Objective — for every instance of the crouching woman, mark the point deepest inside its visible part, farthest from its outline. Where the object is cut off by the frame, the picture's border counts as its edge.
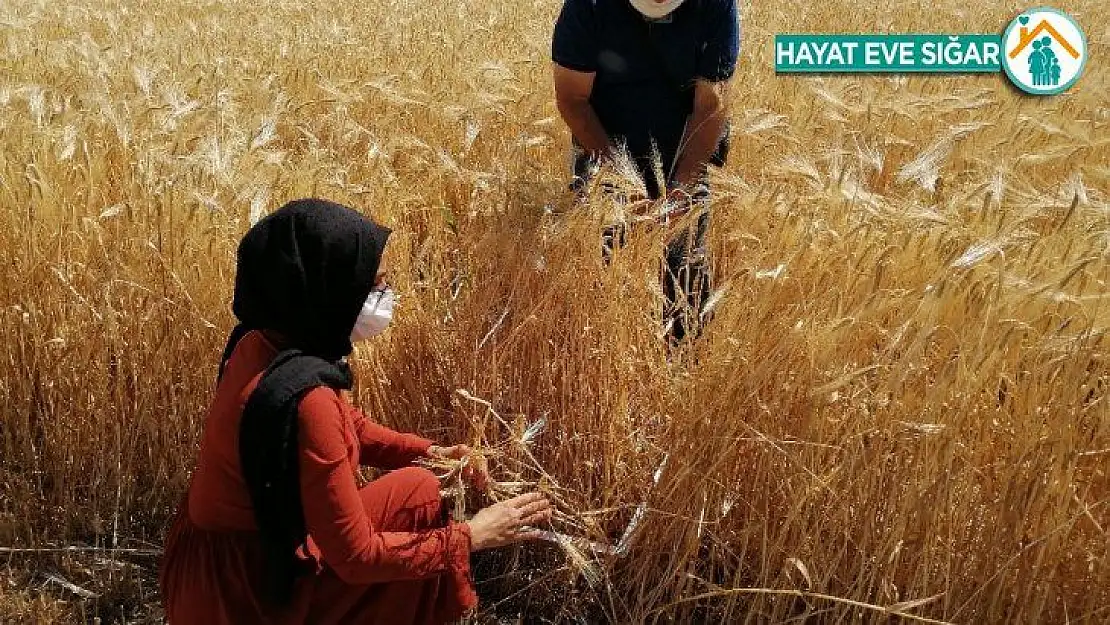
(275, 528)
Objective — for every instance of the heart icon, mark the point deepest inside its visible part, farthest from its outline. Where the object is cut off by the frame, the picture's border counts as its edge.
(1024, 19)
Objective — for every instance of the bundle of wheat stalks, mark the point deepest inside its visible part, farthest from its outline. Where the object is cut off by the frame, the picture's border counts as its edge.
(515, 471)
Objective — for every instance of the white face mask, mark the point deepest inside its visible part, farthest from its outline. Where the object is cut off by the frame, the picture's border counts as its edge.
(655, 10)
(375, 315)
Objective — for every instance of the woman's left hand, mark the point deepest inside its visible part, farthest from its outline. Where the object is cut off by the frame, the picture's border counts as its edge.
(476, 472)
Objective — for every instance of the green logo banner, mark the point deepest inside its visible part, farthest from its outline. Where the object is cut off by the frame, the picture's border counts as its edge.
(902, 53)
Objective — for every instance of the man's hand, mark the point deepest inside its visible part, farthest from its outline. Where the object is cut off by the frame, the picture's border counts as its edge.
(639, 205)
(703, 131)
(476, 471)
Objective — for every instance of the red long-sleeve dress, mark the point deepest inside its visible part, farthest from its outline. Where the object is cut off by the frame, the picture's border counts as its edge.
(381, 554)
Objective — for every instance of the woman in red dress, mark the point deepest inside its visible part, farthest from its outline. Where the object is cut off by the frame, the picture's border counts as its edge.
(274, 528)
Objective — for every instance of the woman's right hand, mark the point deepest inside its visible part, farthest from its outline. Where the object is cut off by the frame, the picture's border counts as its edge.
(502, 523)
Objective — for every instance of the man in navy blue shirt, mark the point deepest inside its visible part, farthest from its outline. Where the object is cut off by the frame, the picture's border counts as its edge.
(638, 72)
(650, 76)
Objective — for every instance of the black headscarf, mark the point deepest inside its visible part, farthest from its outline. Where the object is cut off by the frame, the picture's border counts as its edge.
(304, 272)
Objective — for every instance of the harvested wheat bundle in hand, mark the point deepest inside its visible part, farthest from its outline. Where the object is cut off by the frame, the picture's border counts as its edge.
(507, 469)
(451, 473)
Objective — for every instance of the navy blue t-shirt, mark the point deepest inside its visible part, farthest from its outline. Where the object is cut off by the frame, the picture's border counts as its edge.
(635, 101)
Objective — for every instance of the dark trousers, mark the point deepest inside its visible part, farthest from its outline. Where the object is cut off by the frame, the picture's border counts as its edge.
(685, 270)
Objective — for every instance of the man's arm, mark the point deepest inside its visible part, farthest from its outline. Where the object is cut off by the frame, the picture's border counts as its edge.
(717, 62)
(703, 131)
(572, 97)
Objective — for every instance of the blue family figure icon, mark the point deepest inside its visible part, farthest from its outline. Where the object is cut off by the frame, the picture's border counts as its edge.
(1044, 65)
(1037, 63)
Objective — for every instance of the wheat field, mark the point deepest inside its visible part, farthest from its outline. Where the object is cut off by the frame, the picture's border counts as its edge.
(897, 413)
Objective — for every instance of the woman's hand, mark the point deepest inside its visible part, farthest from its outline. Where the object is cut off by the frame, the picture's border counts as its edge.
(476, 471)
(503, 523)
